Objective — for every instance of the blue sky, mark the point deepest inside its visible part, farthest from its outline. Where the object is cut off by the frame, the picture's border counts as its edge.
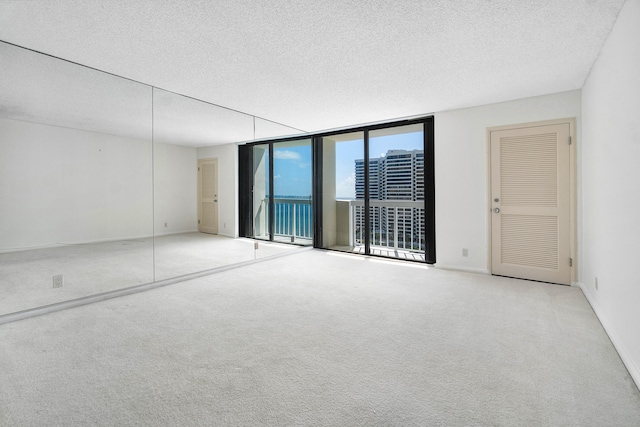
(292, 164)
(292, 170)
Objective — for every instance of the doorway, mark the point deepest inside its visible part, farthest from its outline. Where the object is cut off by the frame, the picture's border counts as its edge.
(532, 201)
(208, 196)
(388, 219)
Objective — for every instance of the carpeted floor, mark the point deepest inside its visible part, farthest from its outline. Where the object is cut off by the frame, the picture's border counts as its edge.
(26, 277)
(320, 339)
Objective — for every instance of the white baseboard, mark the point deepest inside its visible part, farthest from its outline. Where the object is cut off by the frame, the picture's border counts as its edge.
(628, 361)
(461, 268)
(227, 235)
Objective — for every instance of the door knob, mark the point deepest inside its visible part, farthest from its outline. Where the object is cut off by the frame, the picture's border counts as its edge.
(496, 210)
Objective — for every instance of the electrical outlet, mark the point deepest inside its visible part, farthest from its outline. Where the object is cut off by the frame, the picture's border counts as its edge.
(224, 225)
(57, 281)
(596, 283)
(255, 245)
(166, 224)
(465, 252)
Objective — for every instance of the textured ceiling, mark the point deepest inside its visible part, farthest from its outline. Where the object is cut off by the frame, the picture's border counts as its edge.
(317, 65)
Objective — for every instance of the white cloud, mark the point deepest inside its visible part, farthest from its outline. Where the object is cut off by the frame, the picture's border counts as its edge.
(346, 188)
(286, 155)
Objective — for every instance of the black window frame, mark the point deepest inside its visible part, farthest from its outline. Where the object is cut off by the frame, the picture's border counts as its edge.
(245, 178)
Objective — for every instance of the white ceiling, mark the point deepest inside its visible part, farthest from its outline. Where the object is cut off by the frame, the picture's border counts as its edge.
(317, 65)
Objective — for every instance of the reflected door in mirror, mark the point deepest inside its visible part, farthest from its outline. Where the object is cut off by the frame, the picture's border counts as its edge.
(208, 196)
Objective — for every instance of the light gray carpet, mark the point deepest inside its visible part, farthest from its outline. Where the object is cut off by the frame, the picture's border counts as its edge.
(26, 277)
(315, 339)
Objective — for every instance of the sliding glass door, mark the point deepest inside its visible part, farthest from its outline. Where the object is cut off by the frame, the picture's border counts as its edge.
(396, 192)
(368, 190)
(374, 204)
(292, 183)
(281, 202)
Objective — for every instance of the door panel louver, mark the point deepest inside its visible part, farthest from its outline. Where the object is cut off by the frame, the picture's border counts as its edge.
(530, 202)
(530, 240)
(529, 170)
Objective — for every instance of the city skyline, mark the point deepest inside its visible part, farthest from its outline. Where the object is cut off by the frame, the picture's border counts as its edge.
(292, 164)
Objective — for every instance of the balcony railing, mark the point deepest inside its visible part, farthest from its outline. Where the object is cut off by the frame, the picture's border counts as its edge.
(293, 218)
(394, 224)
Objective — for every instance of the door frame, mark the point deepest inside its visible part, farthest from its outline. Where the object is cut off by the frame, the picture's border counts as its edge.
(572, 187)
(199, 209)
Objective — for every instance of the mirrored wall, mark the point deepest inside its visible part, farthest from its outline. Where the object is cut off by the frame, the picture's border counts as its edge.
(107, 183)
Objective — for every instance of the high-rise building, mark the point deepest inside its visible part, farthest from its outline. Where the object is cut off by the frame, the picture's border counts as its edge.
(398, 175)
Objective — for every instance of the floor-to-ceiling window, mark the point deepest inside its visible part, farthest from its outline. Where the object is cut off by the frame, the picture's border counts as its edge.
(277, 193)
(292, 190)
(396, 192)
(368, 190)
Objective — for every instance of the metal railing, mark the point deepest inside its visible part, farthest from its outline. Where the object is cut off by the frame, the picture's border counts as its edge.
(293, 217)
(396, 224)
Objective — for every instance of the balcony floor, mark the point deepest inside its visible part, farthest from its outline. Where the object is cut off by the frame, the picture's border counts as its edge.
(302, 241)
(384, 251)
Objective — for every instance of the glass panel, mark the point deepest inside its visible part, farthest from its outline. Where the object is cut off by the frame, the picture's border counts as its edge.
(194, 201)
(261, 191)
(75, 181)
(80, 178)
(396, 165)
(292, 182)
(343, 192)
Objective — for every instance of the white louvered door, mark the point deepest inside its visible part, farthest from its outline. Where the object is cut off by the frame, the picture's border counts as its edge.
(530, 203)
(208, 196)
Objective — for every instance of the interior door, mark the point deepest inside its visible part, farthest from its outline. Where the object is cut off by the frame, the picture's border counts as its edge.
(530, 203)
(208, 196)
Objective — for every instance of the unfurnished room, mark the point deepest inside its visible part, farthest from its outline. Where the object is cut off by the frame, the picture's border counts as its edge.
(338, 213)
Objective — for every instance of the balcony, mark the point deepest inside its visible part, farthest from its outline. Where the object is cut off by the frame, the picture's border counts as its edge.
(293, 220)
(397, 229)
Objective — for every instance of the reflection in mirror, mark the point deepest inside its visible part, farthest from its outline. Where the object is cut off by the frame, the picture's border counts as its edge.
(195, 170)
(261, 193)
(292, 189)
(75, 181)
(86, 157)
(266, 129)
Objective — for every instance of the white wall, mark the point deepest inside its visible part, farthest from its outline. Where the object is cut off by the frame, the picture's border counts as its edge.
(611, 186)
(61, 186)
(175, 189)
(227, 156)
(462, 207)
